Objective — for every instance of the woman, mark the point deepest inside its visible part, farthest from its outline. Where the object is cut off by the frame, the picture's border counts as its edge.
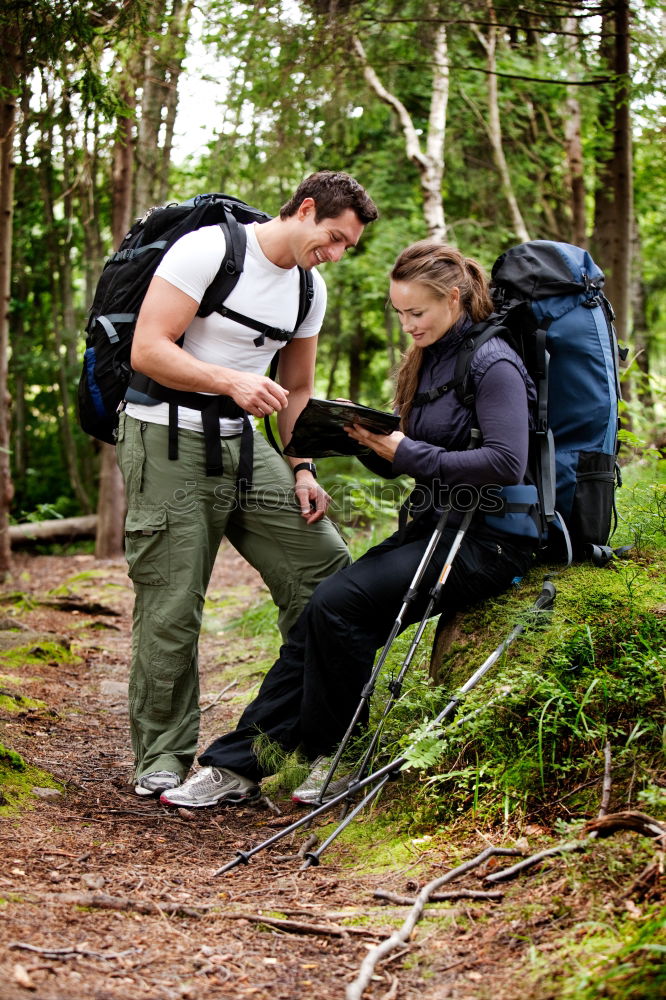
(309, 696)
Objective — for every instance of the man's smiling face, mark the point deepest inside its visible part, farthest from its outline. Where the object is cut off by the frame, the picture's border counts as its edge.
(326, 240)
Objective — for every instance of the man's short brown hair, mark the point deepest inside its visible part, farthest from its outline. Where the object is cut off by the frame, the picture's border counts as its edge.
(332, 192)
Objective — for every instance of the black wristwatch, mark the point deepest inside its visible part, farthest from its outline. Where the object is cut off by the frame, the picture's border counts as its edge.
(309, 466)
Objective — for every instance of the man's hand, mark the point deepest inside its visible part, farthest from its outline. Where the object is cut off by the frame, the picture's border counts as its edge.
(313, 500)
(384, 445)
(258, 394)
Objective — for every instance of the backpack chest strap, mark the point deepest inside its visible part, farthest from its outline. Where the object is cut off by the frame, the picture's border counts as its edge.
(272, 332)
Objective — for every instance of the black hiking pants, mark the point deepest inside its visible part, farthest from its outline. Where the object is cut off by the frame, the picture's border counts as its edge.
(310, 694)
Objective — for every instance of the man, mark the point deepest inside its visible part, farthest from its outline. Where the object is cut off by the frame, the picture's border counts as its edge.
(178, 512)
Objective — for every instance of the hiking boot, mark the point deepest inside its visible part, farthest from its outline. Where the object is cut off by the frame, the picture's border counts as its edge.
(212, 786)
(308, 794)
(156, 782)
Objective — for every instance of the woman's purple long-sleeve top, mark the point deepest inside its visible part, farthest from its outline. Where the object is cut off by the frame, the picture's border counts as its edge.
(435, 450)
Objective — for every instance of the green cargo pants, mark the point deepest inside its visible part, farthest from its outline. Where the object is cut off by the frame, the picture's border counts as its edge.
(176, 519)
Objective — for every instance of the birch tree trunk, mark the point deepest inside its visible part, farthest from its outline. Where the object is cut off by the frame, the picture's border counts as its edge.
(429, 161)
(494, 125)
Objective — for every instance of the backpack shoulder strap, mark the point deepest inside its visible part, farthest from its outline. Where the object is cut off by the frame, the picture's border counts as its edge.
(231, 267)
(479, 334)
(306, 294)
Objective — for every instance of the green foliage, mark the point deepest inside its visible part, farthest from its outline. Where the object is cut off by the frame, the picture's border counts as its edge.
(633, 965)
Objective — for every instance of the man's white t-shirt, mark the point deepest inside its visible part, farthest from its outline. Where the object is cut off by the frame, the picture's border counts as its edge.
(264, 292)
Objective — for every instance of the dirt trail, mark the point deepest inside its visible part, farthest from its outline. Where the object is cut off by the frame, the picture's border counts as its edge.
(180, 932)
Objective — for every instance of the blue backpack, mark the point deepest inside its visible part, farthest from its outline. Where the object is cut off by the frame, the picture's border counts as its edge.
(549, 305)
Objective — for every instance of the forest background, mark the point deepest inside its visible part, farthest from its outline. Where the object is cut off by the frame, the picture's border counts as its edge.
(481, 123)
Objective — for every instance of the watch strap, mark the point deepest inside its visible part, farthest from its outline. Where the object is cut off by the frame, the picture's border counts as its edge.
(308, 466)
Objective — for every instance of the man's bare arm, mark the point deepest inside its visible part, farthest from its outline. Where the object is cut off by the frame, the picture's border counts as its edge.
(165, 314)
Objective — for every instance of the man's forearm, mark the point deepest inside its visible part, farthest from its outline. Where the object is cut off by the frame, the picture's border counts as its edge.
(286, 419)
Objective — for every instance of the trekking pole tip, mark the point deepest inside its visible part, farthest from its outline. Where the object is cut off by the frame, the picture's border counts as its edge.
(242, 858)
(311, 861)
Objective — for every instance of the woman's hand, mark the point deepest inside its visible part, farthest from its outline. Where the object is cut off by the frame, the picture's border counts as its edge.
(384, 445)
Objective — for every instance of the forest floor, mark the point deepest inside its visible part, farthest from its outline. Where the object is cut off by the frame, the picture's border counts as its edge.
(115, 894)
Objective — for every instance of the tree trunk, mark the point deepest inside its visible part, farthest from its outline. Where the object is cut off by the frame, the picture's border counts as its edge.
(9, 78)
(111, 504)
(494, 125)
(61, 307)
(430, 163)
(163, 56)
(574, 150)
(111, 507)
(614, 196)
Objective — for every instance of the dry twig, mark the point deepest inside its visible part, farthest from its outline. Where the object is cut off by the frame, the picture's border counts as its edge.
(218, 697)
(440, 897)
(298, 927)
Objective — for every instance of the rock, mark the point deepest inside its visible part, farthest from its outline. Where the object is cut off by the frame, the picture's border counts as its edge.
(92, 881)
(115, 688)
(47, 793)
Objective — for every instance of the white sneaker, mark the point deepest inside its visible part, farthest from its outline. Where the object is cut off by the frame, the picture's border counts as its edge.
(212, 786)
(156, 782)
(309, 792)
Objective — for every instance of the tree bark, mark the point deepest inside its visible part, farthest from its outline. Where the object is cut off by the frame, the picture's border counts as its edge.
(614, 195)
(51, 531)
(10, 66)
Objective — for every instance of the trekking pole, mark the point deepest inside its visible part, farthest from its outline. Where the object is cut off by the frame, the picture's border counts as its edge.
(369, 687)
(395, 686)
(312, 857)
(543, 602)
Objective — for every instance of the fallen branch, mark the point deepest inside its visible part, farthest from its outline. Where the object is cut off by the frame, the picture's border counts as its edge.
(508, 873)
(604, 826)
(62, 527)
(440, 897)
(65, 953)
(400, 937)
(639, 822)
(298, 927)
(102, 901)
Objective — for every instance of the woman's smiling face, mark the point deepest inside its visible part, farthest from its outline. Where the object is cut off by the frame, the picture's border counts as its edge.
(424, 316)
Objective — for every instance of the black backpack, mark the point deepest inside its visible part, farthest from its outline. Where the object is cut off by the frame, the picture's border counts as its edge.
(106, 373)
(550, 307)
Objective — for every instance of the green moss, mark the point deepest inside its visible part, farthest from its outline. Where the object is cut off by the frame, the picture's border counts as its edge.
(33, 654)
(19, 703)
(17, 779)
(10, 759)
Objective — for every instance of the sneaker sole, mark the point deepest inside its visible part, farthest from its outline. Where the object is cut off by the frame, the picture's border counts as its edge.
(140, 790)
(236, 799)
